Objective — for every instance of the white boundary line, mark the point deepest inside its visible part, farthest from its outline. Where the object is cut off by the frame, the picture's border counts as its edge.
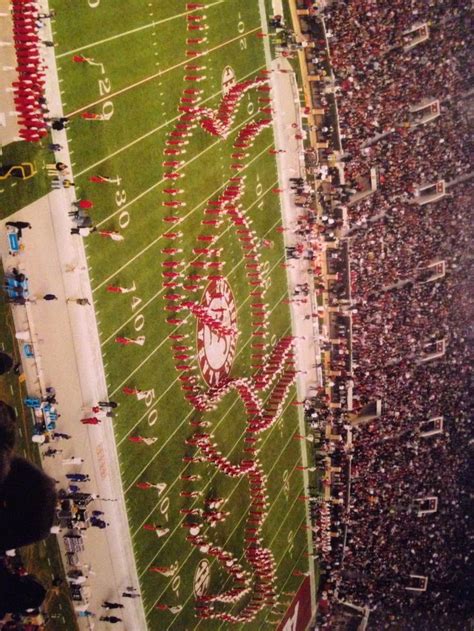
(162, 290)
(149, 133)
(134, 30)
(155, 75)
(155, 241)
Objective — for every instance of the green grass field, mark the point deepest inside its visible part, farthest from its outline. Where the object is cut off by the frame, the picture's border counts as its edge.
(142, 49)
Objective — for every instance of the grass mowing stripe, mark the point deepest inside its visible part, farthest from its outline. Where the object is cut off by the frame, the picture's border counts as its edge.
(155, 241)
(134, 30)
(163, 180)
(173, 331)
(240, 520)
(180, 425)
(282, 559)
(290, 575)
(109, 97)
(153, 131)
(160, 291)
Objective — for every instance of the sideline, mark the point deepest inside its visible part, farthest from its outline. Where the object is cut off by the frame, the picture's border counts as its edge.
(66, 334)
(286, 102)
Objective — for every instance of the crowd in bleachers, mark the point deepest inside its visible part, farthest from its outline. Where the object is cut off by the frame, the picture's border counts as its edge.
(401, 302)
(373, 70)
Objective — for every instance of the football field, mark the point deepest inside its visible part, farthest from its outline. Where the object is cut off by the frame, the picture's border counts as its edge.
(179, 163)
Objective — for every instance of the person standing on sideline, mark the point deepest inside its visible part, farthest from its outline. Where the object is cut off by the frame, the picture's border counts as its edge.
(50, 297)
(20, 226)
(108, 605)
(79, 301)
(91, 420)
(84, 232)
(107, 404)
(78, 477)
(85, 613)
(59, 435)
(111, 619)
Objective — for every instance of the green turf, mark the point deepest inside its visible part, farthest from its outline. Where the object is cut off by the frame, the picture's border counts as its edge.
(143, 86)
(16, 193)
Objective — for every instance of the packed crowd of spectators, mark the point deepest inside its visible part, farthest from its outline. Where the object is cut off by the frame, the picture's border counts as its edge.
(401, 301)
(405, 239)
(373, 69)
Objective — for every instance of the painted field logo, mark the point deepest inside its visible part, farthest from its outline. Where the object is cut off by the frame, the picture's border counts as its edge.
(216, 350)
(202, 578)
(228, 79)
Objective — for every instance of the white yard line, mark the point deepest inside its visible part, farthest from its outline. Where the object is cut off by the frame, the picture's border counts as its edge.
(163, 289)
(133, 30)
(155, 241)
(152, 131)
(183, 422)
(163, 445)
(238, 524)
(111, 96)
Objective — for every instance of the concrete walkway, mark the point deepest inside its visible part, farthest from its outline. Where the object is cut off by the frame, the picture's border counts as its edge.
(68, 357)
(287, 127)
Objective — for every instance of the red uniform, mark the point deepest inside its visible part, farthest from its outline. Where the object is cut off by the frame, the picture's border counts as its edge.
(92, 420)
(135, 439)
(143, 485)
